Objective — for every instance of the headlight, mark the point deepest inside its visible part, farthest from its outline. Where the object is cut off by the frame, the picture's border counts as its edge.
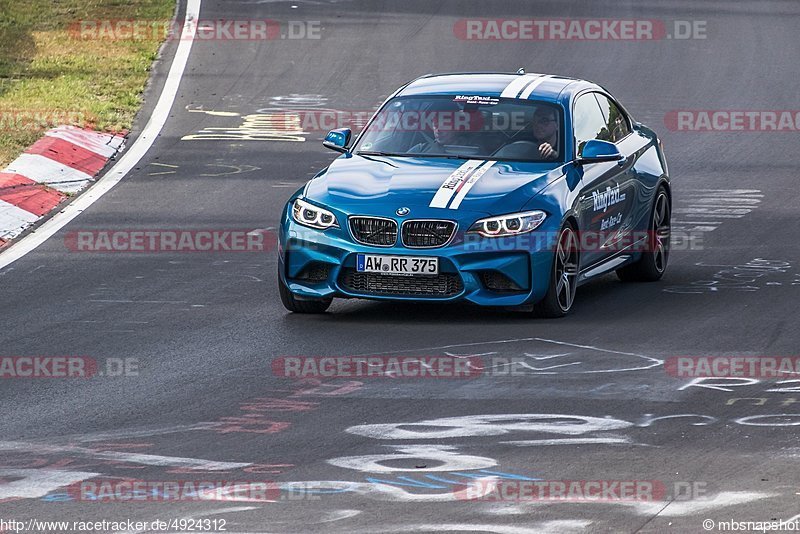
(509, 225)
(313, 216)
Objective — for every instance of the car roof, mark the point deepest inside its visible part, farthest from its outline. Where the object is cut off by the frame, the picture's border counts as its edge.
(497, 84)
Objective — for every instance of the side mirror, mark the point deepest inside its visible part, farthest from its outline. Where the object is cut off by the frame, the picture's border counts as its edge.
(338, 139)
(597, 151)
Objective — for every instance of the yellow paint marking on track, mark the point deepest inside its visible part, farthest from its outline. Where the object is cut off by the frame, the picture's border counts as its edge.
(256, 127)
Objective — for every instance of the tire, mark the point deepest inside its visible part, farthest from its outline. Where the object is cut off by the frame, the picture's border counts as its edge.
(653, 263)
(560, 295)
(295, 305)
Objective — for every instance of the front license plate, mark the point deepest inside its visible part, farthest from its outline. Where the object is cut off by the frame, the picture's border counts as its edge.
(405, 265)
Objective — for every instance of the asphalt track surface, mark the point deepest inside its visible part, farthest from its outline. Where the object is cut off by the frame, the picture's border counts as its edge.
(205, 327)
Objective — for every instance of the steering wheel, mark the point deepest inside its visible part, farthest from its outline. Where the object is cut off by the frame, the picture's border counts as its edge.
(518, 149)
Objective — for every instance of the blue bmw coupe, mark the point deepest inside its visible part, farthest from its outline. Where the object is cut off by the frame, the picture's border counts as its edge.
(494, 188)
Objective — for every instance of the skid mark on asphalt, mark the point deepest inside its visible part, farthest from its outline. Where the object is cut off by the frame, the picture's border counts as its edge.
(254, 419)
(132, 433)
(743, 278)
(257, 414)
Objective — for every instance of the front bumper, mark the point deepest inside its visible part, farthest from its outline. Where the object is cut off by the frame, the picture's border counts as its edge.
(317, 264)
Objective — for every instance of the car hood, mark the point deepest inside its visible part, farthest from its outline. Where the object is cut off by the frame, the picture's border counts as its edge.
(380, 185)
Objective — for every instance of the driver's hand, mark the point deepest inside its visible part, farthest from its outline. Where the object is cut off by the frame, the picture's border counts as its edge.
(546, 151)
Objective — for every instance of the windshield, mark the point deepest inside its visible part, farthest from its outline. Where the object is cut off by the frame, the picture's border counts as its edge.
(465, 126)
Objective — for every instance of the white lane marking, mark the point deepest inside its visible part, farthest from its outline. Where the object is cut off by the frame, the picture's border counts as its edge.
(650, 362)
(129, 457)
(513, 89)
(337, 515)
(696, 506)
(131, 434)
(48, 171)
(464, 356)
(706, 209)
(448, 187)
(559, 526)
(568, 441)
(480, 171)
(214, 113)
(443, 455)
(533, 85)
(13, 220)
(546, 357)
(35, 483)
(532, 368)
(489, 425)
(131, 156)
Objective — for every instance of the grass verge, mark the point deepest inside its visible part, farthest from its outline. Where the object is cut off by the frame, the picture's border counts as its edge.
(58, 66)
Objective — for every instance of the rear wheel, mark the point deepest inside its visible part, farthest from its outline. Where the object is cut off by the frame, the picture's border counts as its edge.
(563, 278)
(651, 266)
(293, 304)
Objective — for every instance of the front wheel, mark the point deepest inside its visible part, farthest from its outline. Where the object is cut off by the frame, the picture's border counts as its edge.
(563, 277)
(293, 304)
(651, 266)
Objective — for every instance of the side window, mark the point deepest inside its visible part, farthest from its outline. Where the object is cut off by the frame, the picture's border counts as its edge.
(588, 120)
(616, 122)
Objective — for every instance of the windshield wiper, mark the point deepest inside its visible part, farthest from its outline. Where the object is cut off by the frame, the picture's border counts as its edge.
(461, 156)
(390, 154)
(447, 156)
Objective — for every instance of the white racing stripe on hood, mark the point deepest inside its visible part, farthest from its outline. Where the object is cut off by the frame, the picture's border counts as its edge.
(451, 183)
(480, 171)
(528, 90)
(513, 89)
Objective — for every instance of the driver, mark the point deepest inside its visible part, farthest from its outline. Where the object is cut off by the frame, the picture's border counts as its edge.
(447, 121)
(545, 132)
